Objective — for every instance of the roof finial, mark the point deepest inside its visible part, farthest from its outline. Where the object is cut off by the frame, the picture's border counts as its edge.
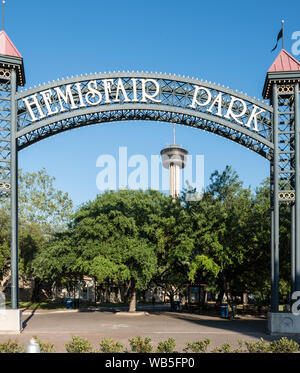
(3, 4)
(282, 28)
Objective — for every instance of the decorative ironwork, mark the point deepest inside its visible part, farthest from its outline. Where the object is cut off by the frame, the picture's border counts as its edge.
(5, 136)
(286, 196)
(285, 88)
(5, 74)
(4, 186)
(174, 102)
(286, 142)
(270, 131)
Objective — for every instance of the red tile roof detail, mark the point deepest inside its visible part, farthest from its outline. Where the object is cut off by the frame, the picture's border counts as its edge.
(7, 47)
(284, 62)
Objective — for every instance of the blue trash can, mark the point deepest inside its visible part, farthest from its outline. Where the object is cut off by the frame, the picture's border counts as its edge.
(69, 303)
(224, 310)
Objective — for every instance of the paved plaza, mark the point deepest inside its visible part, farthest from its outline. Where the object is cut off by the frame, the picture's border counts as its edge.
(58, 326)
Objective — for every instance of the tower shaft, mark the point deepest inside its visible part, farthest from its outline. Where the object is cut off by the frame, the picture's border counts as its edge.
(175, 182)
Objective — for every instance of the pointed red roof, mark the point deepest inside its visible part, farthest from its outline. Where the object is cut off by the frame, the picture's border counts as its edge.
(7, 47)
(284, 62)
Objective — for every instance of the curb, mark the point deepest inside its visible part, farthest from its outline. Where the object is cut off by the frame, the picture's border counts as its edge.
(47, 312)
(136, 313)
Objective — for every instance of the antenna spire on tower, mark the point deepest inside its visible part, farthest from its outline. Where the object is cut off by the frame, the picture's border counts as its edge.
(174, 133)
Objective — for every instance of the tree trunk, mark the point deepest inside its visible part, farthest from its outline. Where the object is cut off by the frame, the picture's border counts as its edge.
(144, 296)
(119, 295)
(171, 297)
(101, 293)
(4, 282)
(132, 304)
(107, 293)
(35, 297)
(132, 300)
(95, 290)
(127, 292)
(222, 289)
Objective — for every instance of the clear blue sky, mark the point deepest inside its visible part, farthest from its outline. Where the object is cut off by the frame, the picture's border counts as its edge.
(224, 42)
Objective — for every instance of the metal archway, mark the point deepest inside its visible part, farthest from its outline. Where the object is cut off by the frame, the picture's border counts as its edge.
(271, 131)
(62, 105)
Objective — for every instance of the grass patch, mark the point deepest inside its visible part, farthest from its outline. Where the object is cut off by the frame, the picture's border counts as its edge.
(41, 305)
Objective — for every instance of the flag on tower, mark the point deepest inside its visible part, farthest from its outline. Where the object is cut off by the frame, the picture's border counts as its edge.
(279, 36)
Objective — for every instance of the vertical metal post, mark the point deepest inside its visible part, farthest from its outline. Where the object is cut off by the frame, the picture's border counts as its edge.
(14, 198)
(292, 245)
(297, 189)
(272, 260)
(275, 222)
(272, 230)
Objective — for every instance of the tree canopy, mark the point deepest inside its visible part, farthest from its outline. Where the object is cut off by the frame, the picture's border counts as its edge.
(43, 210)
(136, 239)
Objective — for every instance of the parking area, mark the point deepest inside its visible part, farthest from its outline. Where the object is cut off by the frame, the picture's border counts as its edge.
(58, 327)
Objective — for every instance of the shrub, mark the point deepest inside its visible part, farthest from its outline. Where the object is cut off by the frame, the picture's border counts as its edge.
(239, 349)
(11, 347)
(167, 346)
(284, 345)
(225, 348)
(44, 346)
(261, 346)
(109, 346)
(139, 345)
(198, 346)
(78, 345)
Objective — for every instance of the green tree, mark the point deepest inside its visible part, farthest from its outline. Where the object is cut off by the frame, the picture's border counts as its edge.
(174, 241)
(4, 247)
(43, 210)
(111, 239)
(40, 202)
(56, 262)
(223, 226)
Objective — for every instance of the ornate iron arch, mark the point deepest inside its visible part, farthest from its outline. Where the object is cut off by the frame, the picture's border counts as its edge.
(271, 131)
(74, 102)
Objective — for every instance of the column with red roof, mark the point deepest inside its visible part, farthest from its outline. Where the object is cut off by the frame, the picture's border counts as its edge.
(11, 76)
(282, 89)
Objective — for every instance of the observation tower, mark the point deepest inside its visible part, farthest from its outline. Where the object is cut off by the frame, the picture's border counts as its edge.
(174, 158)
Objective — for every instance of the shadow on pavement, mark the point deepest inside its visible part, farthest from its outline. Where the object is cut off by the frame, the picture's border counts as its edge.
(146, 308)
(102, 309)
(25, 322)
(253, 327)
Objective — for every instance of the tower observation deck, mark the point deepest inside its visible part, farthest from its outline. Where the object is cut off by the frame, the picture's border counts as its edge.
(174, 157)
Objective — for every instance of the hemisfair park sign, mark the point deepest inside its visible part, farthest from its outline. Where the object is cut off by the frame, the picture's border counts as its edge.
(271, 130)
